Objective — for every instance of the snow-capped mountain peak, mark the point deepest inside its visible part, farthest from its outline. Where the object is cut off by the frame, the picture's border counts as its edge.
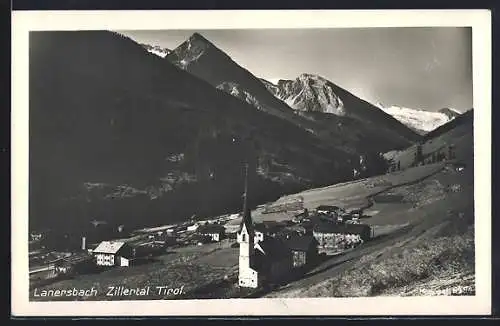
(419, 120)
(155, 49)
(308, 92)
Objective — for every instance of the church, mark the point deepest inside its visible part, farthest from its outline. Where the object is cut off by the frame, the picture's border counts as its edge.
(261, 259)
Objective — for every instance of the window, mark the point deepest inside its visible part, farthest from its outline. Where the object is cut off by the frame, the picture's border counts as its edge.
(243, 237)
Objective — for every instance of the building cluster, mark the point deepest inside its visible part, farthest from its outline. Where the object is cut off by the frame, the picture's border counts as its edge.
(271, 254)
(155, 240)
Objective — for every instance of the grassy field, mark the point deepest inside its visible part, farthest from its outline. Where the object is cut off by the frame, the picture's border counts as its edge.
(349, 195)
(425, 244)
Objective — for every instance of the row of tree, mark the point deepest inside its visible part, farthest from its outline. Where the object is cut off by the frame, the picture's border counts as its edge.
(434, 157)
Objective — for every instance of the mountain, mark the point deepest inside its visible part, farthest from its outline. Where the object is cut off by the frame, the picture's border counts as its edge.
(420, 120)
(451, 113)
(458, 132)
(465, 119)
(203, 59)
(308, 93)
(122, 136)
(312, 93)
(155, 49)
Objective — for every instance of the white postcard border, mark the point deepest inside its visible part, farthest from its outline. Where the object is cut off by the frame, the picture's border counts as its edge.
(25, 21)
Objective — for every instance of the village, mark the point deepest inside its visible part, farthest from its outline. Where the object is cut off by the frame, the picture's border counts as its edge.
(289, 235)
(259, 248)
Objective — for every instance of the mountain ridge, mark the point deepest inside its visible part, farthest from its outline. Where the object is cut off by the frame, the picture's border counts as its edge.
(206, 61)
(302, 94)
(422, 121)
(156, 49)
(145, 142)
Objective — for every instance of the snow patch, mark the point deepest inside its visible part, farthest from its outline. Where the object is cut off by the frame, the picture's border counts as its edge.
(417, 119)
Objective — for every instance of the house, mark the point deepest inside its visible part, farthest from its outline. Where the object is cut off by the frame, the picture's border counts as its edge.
(304, 249)
(300, 216)
(193, 227)
(356, 213)
(79, 263)
(340, 236)
(215, 232)
(113, 253)
(260, 230)
(329, 210)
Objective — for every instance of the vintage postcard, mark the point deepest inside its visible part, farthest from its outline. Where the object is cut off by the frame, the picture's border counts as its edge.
(251, 163)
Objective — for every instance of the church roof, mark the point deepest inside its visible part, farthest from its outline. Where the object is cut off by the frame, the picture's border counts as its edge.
(299, 243)
(272, 247)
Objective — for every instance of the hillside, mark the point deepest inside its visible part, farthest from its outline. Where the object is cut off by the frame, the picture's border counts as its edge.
(457, 133)
(121, 135)
(203, 59)
(465, 120)
(424, 239)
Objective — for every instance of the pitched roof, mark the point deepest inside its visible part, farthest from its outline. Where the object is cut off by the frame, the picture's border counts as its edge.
(109, 247)
(301, 243)
(260, 227)
(272, 247)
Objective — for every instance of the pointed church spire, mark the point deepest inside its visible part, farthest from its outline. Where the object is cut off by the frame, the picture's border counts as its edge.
(247, 218)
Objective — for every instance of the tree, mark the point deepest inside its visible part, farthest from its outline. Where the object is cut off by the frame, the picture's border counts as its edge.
(373, 163)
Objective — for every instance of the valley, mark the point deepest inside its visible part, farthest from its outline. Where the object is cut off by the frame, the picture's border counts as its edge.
(146, 142)
(145, 146)
(399, 227)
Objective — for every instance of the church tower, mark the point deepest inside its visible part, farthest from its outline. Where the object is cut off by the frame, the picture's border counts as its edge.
(248, 277)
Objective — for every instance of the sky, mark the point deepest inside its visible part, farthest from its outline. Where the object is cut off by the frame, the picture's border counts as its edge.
(425, 68)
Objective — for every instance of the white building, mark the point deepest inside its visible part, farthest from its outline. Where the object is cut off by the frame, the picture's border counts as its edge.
(260, 260)
(215, 232)
(247, 277)
(193, 227)
(112, 253)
